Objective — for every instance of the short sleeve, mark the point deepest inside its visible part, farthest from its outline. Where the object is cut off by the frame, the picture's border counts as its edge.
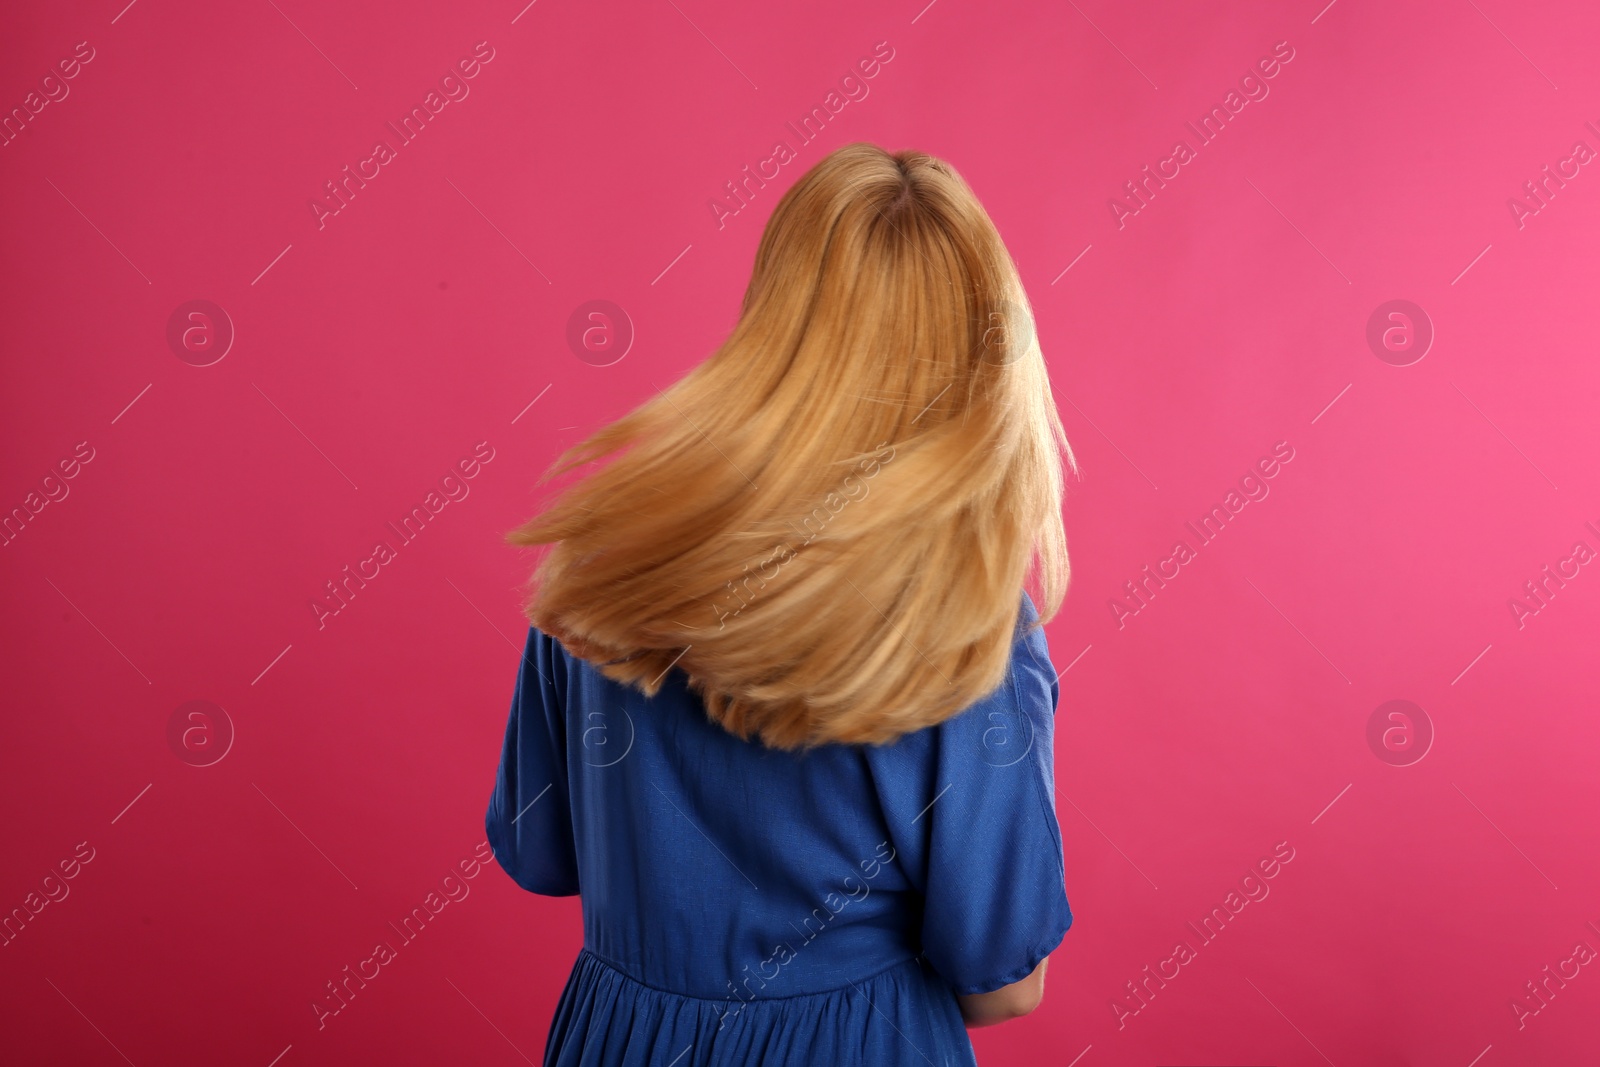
(982, 837)
(529, 822)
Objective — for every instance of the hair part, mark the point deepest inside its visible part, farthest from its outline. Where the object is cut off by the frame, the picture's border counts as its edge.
(827, 524)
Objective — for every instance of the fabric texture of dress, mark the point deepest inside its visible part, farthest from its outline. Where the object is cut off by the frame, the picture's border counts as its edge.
(745, 905)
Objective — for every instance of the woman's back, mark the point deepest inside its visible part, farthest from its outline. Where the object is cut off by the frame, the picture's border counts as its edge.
(747, 904)
(782, 719)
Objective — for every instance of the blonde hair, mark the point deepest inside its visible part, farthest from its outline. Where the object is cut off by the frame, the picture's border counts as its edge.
(828, 524)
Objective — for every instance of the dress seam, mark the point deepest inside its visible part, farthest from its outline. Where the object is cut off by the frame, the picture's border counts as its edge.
(849, 985)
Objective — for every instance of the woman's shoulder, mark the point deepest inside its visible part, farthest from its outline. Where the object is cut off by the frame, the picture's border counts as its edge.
(1010, 714)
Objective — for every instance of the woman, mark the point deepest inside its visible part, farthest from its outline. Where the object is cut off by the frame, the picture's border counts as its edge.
(785, 714)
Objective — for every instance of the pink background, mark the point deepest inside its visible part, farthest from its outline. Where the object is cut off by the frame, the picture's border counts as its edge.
(1229, 314)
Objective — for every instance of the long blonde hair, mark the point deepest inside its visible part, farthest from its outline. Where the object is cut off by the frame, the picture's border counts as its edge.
(828, 524)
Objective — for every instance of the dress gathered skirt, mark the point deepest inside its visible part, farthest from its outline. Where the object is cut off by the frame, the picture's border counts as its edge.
(744, 905)
(903, 1015)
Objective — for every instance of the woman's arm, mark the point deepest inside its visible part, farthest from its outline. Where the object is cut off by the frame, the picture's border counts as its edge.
(1006, 1003)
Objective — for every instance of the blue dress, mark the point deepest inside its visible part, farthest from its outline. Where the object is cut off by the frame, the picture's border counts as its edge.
(743, 905)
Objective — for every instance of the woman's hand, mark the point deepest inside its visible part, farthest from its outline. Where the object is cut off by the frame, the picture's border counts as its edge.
(1006, 1003)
